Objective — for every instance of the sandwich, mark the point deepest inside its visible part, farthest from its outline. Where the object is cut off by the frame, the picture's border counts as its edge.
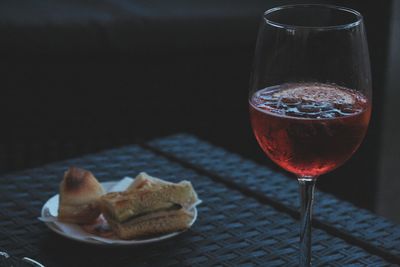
(79, 195)
(149, 206)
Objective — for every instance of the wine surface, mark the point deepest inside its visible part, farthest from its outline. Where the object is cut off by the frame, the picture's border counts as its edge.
(309, 128)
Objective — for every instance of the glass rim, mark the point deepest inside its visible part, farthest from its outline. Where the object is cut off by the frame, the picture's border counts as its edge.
(357, 21)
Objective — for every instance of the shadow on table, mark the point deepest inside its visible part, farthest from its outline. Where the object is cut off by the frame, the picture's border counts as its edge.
(72, 253)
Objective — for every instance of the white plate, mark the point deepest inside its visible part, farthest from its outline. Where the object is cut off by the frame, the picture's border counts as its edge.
(75, 232)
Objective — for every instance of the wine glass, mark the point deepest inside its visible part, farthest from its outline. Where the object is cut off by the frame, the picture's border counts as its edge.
(310, 94)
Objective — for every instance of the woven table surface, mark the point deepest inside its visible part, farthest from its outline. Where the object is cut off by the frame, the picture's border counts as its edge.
(241, 222)
(359, 225)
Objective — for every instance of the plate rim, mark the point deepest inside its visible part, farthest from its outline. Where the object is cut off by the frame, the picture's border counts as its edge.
(115, 242)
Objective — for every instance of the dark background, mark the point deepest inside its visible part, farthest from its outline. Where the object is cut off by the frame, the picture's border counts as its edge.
(82, 76)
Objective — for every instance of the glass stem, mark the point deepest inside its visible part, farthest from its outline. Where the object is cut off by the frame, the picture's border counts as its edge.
(307, 185)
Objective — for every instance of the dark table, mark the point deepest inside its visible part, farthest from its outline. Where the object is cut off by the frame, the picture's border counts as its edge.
(248, 216)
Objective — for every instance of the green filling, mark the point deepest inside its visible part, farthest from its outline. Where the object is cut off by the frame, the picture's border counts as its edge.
(171, 208)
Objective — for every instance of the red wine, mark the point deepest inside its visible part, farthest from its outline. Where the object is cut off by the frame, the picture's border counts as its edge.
(309, 128)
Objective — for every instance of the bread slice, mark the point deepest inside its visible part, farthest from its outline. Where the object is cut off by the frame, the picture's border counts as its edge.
(145, 181)
(149, 206)
(122, 205)
(79, 195)
(152, 224)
